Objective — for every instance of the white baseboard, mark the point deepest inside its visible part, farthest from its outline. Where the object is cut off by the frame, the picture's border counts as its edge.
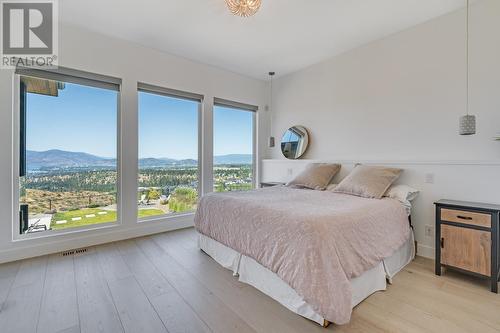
(31, 249)
(425, 251)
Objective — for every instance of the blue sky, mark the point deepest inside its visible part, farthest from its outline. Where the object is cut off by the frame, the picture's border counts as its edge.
(232, 131)
(168, 127)
(80, 119)
(84, 119)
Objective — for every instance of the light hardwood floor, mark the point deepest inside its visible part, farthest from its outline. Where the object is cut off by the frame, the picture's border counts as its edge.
(163, 283)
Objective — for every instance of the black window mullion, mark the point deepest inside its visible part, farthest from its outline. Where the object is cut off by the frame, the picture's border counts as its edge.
(22, 130)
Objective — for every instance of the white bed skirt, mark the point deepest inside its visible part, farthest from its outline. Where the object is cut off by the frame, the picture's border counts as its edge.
(268, 282)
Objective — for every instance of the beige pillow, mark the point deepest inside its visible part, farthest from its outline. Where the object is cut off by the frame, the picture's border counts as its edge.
(316, 176)
(368, 181)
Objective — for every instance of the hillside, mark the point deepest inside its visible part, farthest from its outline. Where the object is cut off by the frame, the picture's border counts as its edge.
(233, 159)
(66, 159)
(60, 158)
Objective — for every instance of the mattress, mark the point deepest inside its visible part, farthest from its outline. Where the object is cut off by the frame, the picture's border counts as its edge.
(251, 272)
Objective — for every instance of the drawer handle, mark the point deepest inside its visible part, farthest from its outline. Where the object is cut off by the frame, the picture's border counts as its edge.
(442, 242)
(464, 217)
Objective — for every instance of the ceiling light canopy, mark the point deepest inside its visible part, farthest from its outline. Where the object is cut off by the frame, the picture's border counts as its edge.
(243, 8)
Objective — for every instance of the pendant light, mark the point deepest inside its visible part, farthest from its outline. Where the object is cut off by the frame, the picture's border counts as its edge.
(467, 122)
(243, 8)
(271, 137)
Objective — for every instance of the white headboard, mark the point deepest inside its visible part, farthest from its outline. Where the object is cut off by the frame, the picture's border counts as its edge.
(477, 181)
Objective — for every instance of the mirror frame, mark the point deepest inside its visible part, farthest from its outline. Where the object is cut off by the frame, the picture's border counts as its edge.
(305, 142)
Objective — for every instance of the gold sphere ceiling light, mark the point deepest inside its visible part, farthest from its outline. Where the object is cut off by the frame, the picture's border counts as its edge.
(243, 8)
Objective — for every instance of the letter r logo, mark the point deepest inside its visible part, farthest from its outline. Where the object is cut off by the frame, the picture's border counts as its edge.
(27, 27)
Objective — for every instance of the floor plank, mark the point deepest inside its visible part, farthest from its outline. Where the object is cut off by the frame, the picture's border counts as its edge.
(112, 264)
(209, 307)
(175, 313)
(96, 308)
(20, 311)
(8, 274)
(59, 309)
(135, 311)
(165, 283)
(426, 295)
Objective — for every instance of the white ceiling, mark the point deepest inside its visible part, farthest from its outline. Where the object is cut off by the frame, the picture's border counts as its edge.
(284, 36)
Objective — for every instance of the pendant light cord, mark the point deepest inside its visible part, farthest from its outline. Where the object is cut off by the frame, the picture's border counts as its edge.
(271, 108)
(271, 74)
(467, 56)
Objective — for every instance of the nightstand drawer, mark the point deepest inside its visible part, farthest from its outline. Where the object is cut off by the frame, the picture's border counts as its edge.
(465, 217)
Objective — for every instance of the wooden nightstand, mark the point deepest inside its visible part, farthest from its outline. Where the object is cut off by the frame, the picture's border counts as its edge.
(270, 184)
(467, 238)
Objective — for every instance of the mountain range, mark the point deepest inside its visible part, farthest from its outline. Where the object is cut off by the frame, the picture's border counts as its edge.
(55, 158)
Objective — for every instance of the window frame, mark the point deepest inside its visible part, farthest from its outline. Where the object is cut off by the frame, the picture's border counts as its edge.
(183, 95)
(76, 77)
(225, 103)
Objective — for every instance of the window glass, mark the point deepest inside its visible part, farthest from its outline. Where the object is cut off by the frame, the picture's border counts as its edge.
(233, 149)
(68, 155)
(168, 155)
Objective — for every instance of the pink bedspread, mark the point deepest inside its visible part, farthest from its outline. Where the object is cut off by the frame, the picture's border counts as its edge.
(316, 241)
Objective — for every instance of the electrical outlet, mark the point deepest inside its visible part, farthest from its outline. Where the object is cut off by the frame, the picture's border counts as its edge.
(429, 178)
(429, 230)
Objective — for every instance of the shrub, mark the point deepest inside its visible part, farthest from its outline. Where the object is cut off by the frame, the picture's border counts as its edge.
(154, 194)
(183, 199)
(93, 205)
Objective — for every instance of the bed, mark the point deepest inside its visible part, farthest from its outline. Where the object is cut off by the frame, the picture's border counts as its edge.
(318, 253)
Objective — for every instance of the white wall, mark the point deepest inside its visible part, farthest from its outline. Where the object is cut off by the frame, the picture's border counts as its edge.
(398, 101)
(401, 97)
(96, 53)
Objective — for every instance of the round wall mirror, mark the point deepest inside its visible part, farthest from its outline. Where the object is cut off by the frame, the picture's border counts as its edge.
(294, 142)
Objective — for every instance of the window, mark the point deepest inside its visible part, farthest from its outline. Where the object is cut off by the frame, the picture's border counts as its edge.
(168, 151)
(67, 149)
(234, 143)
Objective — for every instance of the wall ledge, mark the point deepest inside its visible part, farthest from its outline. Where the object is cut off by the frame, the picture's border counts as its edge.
(391, 162)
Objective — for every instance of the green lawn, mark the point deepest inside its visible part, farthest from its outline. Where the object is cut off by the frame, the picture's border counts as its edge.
(110, 216)
(149, 212)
